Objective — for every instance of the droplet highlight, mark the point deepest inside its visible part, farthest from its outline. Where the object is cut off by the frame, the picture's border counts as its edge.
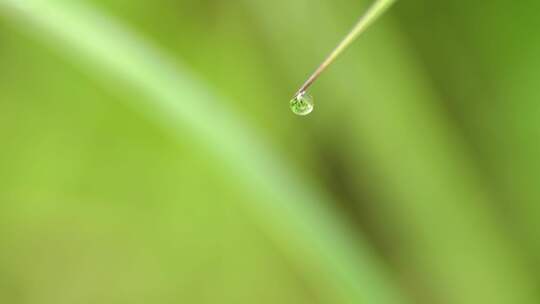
(302, 104)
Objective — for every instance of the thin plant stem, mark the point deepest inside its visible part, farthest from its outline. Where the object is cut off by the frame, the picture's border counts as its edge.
(374, 12)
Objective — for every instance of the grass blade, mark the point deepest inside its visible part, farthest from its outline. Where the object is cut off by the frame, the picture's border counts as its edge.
(372, 14)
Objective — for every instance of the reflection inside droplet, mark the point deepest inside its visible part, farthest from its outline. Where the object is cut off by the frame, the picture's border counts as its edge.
(302, 104)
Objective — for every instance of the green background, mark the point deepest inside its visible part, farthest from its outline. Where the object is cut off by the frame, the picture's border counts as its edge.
(148, 153)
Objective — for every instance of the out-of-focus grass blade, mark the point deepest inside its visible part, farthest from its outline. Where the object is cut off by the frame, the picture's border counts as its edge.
(490, 68)
(292, 213)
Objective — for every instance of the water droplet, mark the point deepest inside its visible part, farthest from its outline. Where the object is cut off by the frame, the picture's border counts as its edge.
(302, 104)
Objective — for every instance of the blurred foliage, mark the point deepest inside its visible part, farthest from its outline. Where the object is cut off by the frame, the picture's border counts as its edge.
(158, 162)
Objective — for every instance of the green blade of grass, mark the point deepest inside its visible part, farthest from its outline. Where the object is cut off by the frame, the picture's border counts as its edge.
(295, 215)
(374, 12)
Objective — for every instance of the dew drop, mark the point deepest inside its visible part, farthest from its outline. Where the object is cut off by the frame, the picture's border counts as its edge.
(302, 104)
